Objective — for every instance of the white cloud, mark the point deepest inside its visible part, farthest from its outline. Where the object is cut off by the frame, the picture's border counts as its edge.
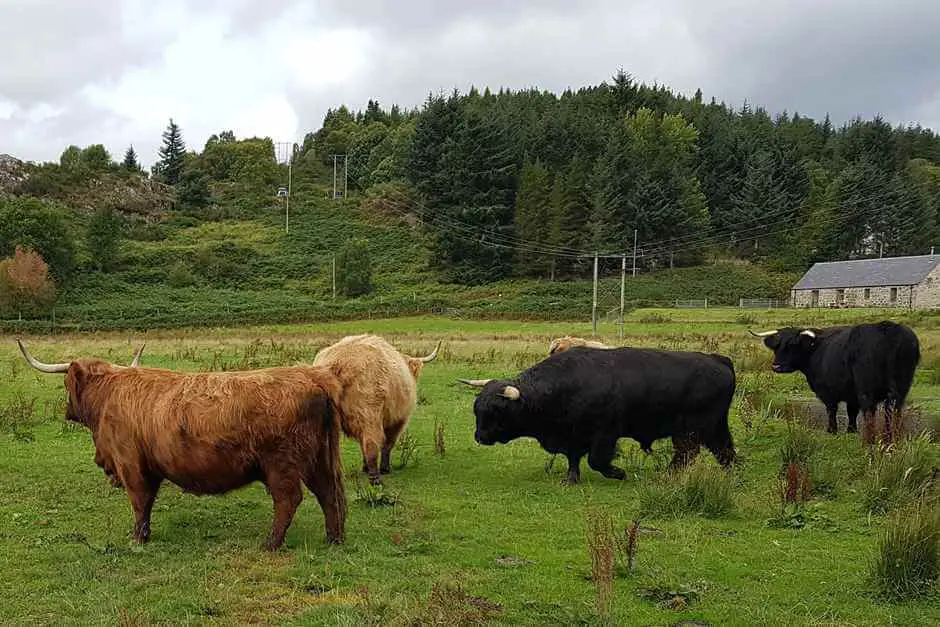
(115, 71)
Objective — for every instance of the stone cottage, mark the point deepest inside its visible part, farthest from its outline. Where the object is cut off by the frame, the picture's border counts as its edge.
(909, 282)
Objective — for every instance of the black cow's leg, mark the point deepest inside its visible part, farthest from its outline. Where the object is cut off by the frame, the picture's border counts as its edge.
(887, 434)
(601, 454)
(831, 410)
(721, 444)
(868, 425)
(851, 408)
(685, 447)
(574, 469)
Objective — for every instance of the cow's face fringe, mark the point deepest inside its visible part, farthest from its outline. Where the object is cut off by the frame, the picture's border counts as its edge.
(792, 349)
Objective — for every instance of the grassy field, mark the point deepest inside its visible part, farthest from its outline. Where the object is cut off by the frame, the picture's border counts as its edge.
(460, 535)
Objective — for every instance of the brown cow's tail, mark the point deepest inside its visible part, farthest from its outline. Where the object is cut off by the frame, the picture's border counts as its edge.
(328, 465)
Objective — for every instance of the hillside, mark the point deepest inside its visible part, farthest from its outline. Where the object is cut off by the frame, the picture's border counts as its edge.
(236, 265)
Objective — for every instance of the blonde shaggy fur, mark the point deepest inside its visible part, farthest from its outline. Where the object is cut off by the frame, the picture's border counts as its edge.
(379, 394)
(561, 344)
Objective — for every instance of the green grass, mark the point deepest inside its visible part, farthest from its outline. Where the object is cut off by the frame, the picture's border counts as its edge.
(480, 533)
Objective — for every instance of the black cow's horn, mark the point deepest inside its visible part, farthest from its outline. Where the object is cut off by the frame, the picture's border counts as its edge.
(511, 392)
(38, 365)
(809, 333)
(477, 383)
(762, 333)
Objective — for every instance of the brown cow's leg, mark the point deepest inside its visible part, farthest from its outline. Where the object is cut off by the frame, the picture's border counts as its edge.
(142, 492)
(287, 495)
(331, 495)
(391, 437)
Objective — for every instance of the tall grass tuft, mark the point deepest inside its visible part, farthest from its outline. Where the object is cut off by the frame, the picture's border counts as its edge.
(439, 444)
(900, 473)
(907, 563)
(702, 489)
(601, 544)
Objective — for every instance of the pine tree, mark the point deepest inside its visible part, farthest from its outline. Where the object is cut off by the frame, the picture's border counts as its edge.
(103, 237)
(130, 163)
(172, 154)
(535, 224)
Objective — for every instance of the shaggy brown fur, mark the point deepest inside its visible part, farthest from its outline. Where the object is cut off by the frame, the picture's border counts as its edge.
(210, 433)
(562, 344)
(379, 394)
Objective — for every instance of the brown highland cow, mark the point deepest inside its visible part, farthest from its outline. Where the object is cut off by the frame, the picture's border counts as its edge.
(210, 433)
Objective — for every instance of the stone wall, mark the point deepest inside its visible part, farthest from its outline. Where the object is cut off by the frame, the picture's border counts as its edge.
(927, 294)
(867, 297)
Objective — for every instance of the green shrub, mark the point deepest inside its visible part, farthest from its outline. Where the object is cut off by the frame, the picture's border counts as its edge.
(701, 488)
(900, 474)
(907, 563)
(180, 276)
(354, 268)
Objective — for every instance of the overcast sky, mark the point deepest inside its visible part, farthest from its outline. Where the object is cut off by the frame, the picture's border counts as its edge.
(114, 71)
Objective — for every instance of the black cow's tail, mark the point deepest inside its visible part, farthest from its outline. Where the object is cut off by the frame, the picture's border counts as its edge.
(901, 359)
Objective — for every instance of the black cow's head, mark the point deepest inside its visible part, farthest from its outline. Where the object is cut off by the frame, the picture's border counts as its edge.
(497, 408)
(792, 347)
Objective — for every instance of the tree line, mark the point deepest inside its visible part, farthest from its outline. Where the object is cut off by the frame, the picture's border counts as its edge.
(529, 182)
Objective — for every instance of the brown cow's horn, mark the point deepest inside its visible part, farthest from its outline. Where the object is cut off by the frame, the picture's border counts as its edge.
(433, 353)
(136, 361)
(38, 365)
(477, 383)
(511, 392)
(808, 333)
(762, 333)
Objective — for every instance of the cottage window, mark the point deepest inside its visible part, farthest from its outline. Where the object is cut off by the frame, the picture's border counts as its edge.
(814, 298)
(894, 295)
(867, 293)
(840, 296)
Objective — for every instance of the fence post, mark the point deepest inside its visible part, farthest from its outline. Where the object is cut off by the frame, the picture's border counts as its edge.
(594, 306)
(706, 303)
(623, 280)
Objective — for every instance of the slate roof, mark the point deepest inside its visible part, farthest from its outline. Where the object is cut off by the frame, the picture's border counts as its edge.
(888, 271)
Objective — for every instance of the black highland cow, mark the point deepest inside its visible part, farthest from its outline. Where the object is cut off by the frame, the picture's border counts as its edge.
(580, 401)
(861, 365)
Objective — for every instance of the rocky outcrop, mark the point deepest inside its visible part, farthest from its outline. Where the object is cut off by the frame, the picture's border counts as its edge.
(13, 173)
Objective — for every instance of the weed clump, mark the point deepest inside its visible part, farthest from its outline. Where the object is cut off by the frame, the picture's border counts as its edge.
(407, 447)
(900, 473)
(907, 563)
(17, 417)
